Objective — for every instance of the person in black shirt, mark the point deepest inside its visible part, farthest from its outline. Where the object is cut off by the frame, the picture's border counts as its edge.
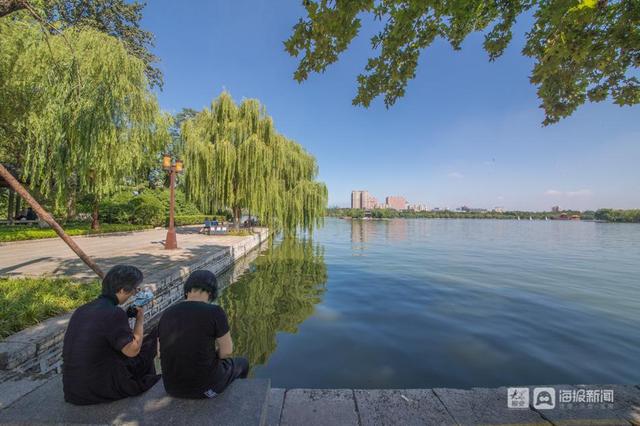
(189, 332)
(103, 360)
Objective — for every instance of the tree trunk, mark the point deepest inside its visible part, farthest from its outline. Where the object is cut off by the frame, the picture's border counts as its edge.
(10, 6)
(12, 199)
(44, 215)
(237, 214)
(95, 217)
(18, 205)
(71, 206)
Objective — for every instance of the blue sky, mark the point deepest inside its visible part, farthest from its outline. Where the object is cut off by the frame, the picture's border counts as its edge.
(467, 133)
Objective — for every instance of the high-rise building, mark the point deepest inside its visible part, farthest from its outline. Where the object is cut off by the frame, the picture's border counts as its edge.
(356, 199)
(362, 200)
(555, 209)
(396, 202)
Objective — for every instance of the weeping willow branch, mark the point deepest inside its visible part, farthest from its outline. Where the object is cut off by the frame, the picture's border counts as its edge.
(237, 160)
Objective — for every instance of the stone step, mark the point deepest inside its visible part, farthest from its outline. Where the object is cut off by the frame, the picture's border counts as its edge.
(244, 403)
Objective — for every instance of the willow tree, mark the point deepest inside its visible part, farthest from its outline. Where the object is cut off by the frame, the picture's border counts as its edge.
(236, 159)
(87, 118)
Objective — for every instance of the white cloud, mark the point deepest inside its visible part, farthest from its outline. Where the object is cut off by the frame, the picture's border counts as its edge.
(580, 193)
(571, 194)
(456, 175)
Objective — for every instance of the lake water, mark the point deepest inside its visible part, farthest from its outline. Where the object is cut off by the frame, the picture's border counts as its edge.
(443, 303)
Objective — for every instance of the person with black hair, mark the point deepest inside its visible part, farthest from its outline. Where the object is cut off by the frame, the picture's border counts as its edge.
(189, 333)
(103, 359)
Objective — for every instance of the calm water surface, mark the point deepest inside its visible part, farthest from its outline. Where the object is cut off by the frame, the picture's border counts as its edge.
(443, 303)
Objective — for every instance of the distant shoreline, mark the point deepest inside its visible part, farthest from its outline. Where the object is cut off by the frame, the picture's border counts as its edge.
(598, 216)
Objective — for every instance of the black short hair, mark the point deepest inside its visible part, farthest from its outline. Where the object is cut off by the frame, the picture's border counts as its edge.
(202, 280)
(121, 277)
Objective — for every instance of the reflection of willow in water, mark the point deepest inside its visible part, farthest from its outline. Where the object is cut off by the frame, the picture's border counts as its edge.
(277, 295)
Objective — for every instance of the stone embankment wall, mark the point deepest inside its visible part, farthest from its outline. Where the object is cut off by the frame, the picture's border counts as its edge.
(38, 349)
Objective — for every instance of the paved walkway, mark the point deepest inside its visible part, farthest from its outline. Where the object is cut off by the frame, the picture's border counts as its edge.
(143, 249)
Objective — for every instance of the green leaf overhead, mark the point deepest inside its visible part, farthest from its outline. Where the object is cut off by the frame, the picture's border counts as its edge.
(584, 50)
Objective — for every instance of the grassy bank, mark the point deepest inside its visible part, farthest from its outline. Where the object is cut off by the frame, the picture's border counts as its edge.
(21, 232)
(27, 301)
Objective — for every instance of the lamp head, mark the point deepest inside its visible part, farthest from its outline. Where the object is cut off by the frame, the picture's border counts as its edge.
(179, 166)
(166, 161)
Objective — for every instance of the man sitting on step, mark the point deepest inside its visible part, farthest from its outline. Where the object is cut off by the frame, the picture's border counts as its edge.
(189, 332)
(103, 359)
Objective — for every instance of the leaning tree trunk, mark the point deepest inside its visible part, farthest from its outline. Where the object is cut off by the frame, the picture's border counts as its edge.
(44, 215)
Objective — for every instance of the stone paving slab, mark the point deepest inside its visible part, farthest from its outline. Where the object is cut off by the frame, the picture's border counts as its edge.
(401, 407)
(319, 407)
(144, 249)
(15, 388)
(242, 404)
(274, 409)
(624, 411)
(480, 406)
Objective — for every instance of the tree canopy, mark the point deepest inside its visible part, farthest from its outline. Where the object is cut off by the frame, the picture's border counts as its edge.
(118, 18)
(81, 116)
(236, 159)
(584, 50)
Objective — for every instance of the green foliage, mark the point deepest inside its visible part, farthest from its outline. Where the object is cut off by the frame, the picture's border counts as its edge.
(22, 232)
(276, 296)
(118, 18)
(235, 159)
(612, 215)
(148, 210)
(27, 301)
(83, 118)
(609, 215)
(151, 207)
(583, 50)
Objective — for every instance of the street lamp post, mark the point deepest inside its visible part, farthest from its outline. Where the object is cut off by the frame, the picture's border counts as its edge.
(171, 242)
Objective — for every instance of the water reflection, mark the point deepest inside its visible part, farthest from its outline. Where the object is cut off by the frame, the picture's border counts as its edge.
(276, 295)
(365, 231)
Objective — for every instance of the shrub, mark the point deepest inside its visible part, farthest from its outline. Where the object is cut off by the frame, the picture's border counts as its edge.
(147, 210)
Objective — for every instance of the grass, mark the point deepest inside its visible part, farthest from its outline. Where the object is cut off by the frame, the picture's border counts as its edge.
(27, 301)
(25, 232)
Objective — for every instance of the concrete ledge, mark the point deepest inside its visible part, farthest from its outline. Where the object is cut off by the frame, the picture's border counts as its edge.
(405, 407)
(315, 407)
(244, 403)
(32, 342)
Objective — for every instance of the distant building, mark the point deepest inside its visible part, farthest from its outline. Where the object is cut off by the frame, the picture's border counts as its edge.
(362, 200)
(417, 207)
(555, 209)
(396, 202)
(498, 209)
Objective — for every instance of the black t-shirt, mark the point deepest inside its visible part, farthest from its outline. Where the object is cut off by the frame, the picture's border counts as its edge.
(190, 363)
(94, 367)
